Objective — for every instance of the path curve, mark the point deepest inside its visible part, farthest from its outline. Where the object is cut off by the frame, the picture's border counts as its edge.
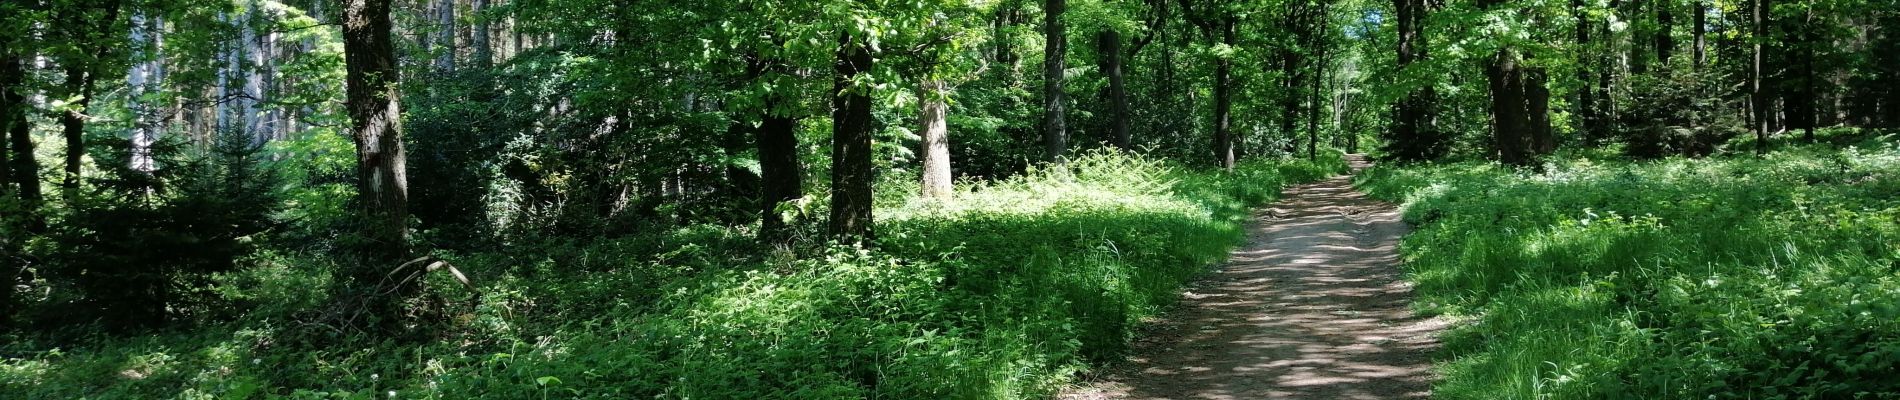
(1314, 306)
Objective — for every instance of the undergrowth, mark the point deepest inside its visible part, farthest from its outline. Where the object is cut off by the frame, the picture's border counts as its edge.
(1733, 278)
(1004, 291)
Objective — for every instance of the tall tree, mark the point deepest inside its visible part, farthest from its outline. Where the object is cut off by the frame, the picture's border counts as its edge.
(1412, 135)
(479, 37)
(1109, 45)
(13, 101)
(933, 115)
(1587, 107)
(1700, 31)
(85, 27)
(1224, 98)
(1758, 94)
(851, 169)
(1055, 136)
(1665, 26)
(376, 126)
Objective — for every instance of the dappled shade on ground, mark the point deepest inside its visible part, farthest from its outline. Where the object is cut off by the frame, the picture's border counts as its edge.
(1313, 307)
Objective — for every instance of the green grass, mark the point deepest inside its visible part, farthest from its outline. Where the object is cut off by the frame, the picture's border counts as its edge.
(1743, 277)
(1004, 292)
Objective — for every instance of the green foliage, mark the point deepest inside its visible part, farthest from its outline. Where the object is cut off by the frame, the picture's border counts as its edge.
(137, 249)
(1002, 291)
(1732, 278)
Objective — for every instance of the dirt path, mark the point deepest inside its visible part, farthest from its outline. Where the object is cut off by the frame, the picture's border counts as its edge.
(1312, 307)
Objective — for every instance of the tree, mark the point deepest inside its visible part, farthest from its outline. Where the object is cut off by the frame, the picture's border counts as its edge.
(1055, 136)
(1758, 94)
(1413, 137)
(851, 169)
(376, 126)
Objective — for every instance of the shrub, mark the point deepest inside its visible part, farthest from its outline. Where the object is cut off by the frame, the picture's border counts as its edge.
(1732, 278)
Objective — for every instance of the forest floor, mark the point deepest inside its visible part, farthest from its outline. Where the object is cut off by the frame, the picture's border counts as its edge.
(1314, 306)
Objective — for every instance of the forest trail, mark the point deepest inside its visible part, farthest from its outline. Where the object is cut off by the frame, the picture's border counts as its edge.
(1314, 306)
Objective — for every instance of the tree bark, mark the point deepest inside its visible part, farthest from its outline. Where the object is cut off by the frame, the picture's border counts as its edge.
(1055, 136)
(445, 14)
(1508, 117)
(783, 179)
(374, 106)
(1224, 101)
(1665, 25)
(1587, 99)
(72, 122)
(1111, 53)
(12, 112)
(851, 172)
(936, 139)
(484, 54)
(1700, 31)
(1537, 109)
(1413, 137)
(1758, 96)
(26, 169)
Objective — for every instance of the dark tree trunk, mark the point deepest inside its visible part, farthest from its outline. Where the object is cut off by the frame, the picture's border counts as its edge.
(1509, 121)
(1224, 101)
(376, 126)
(25, 170)
(1537, 108)
(1758, 96)
(72, 122)
(783, 178)
(1055, 136)
(1810, 97)
(851, 173)
(1665, 25)
(1413, 138)
(1111, 52)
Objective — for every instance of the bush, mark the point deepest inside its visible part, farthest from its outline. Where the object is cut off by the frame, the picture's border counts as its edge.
(1003, 292)
(1733, 278)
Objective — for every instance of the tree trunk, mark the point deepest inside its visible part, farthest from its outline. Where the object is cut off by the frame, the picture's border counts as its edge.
(1224, 101)
(12, 112)
(1412, 136)
(26, 169)
(1811, 99)
(140, 80)
(73, 121)
(1757, 95)
(1587, 100)
(1111, 53)
(1537, 108)
(484, 54)
(1055, 136)
(1701, 34)
(851, 173)
(445, 14)
(376, 125)
(936, 141)
(1665, 25)
(1508, 117)
(783, 178)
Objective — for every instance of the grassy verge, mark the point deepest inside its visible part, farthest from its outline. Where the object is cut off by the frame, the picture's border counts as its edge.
(1747, 277)
(1002, 293)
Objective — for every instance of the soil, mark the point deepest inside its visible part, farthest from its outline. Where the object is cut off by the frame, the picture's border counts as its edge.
(1314, 306)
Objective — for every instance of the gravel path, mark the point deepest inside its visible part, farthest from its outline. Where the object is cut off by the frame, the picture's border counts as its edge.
(1314, 306)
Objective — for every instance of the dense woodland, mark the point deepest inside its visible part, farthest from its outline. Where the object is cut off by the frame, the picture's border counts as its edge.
(927, 198)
